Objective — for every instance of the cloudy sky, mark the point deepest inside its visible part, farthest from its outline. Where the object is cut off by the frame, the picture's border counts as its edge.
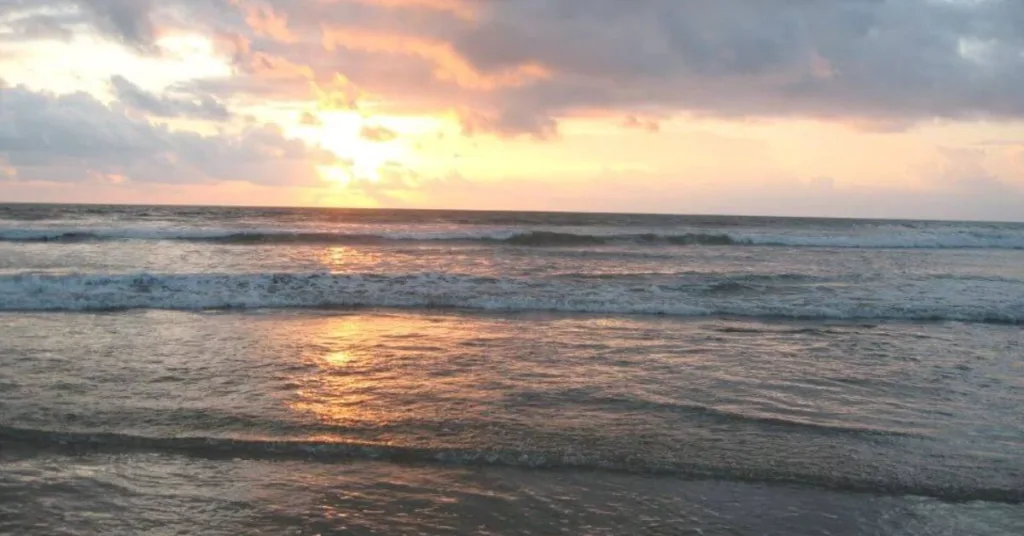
(876, 108)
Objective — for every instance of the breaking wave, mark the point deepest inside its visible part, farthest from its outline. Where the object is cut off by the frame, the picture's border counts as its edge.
(339, 451)
(741, 296)
(951, 239)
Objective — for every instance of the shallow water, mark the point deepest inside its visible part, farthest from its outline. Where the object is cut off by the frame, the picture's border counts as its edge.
(168, 494)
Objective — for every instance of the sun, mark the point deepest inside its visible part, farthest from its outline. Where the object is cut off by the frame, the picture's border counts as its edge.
(342, 133)
(338, 175)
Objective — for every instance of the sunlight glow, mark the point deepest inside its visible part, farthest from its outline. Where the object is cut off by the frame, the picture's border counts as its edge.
(338, 259)
(335, 175)
(341, 133)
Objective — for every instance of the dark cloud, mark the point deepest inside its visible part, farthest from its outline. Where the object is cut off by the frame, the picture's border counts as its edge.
(76, 137)
(129, 20)
(842, 58)
(190, 106)
(509, 121)
(36, 29)
(135, 23)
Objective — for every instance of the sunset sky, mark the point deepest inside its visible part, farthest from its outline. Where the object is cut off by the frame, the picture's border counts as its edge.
(875, 108)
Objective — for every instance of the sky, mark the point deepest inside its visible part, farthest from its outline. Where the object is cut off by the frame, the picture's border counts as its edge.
(863, 108)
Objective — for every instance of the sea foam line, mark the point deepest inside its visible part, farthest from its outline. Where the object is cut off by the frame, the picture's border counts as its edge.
(985, 302)
(951, 239)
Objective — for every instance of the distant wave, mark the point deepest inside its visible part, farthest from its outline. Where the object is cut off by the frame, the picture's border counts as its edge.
(335, 451)
(515, 238)
(986, 302)
(547, 238)
(531, 238)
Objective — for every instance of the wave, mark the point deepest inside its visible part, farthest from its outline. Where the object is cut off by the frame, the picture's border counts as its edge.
(988, 302)
(515, 238)
(530, 238)
(341, 451)
(548, 238)
(734, 417)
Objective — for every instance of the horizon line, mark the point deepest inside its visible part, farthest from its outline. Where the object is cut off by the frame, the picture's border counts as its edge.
(509, 211)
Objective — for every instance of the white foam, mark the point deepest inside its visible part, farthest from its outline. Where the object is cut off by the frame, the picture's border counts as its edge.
(186, 234)
(952, 239)
(949, 237)
(40, 234)
(974, 301)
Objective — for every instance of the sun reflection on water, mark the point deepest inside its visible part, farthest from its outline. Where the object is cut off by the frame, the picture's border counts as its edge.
(341, 258)
(382, 378)
(338, 359)
(334, 384)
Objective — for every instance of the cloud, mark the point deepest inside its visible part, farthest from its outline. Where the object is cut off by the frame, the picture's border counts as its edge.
(127, 19)
(508, 122)
(641, 123)
(198, 106)
(464, 9)
(135, 23)
(77, 138)
(1001, 143)
(377, 133)
(448, 64)
(519, 66)
(265, 21)
(841, 59)
(29, 28)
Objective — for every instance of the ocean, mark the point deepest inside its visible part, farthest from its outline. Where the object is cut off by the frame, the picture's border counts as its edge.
(189, 370)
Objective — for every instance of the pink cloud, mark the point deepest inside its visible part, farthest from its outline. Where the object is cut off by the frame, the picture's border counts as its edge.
(464, 9)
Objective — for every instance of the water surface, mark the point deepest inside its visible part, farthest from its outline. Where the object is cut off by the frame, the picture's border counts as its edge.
(274, 371)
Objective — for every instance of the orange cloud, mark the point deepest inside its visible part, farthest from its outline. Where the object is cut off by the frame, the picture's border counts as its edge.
(265, 21)
(269, 66)
(449, 64)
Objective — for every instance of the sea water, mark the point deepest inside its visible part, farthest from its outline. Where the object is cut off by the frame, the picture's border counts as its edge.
(311, 371)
